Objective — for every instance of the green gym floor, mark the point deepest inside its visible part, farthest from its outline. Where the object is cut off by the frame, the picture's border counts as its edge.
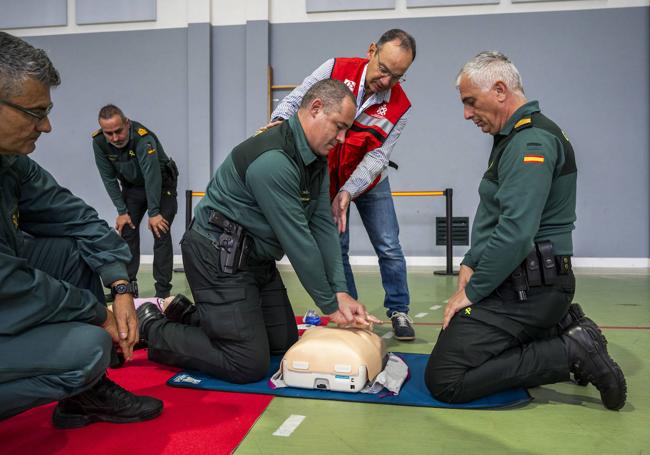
(562, 418)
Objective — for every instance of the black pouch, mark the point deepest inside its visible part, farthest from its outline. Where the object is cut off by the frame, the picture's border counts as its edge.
(549, 271)
(532, 269)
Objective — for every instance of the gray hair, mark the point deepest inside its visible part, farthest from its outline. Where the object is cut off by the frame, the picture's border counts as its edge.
(20, 61)
(489, 67)
(331, 92)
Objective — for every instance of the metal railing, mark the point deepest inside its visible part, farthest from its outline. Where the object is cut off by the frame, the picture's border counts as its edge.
(447, 193)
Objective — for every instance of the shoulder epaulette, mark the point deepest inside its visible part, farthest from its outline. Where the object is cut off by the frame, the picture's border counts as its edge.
(525, 122)
(142, 131)
(96, 132)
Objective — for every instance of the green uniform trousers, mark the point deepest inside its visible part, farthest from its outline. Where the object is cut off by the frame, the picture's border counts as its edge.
(501, 343)
(239, 320)
(53, 361)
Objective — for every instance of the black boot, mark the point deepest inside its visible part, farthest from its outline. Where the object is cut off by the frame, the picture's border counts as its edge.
(589, 360)
(573, 316)
(105, 402)
(147, 313)
(178, 307)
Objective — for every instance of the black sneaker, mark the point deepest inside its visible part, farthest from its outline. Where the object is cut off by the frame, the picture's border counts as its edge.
(589, 360)
(105, 402)
(402, 328)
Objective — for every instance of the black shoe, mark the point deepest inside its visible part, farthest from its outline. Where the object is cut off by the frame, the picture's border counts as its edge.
(117, 359)
(589, 360)
(402, 328)
(178, 308)
(105, 402)
(147, 313)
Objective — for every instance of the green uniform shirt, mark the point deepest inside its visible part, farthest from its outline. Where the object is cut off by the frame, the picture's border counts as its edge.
(267, 203)
(527, 194)
(32, 202)
(139, 163)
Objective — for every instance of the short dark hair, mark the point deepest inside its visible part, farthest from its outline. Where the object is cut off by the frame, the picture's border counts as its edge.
(406, 41)
(20, 61)
(109, 111)
(331, 92)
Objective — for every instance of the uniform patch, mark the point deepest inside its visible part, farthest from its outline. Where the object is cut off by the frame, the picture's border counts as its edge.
(142, 132)
(523, 122)
(150, 150)
(15, 218)
(533, 159)
(96, 132)
(468, 311)
(131, 153)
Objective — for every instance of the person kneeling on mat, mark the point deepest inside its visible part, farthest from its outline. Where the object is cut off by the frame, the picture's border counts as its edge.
(56, 335)
(270, 197)
(511, 322)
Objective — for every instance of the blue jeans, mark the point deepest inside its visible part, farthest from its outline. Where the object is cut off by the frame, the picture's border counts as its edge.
(378, 216)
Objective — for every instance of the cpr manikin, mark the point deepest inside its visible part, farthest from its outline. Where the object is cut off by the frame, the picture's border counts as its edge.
(336, 359)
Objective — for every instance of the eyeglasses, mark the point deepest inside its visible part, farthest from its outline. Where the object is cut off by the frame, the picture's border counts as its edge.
(386, 72)
(39, 114)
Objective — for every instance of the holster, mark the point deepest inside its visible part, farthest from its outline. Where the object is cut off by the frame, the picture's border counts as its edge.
(234, 244)
(169, 173)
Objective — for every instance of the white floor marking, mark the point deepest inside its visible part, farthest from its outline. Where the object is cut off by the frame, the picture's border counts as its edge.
(289, 425)
(387, 335)
(435, 307)
(421, 315)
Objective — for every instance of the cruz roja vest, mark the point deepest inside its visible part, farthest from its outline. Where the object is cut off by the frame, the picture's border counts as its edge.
(369, 130)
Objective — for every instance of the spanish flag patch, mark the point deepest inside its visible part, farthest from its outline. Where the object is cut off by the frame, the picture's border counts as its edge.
(533, 159)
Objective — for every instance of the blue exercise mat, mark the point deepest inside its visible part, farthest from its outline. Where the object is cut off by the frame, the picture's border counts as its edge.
(413, 393)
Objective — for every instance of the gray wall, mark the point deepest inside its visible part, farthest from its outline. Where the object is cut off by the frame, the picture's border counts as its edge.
(143, 72)
(589, 69)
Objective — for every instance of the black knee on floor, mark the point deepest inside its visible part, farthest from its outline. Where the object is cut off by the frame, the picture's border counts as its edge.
(252, 372)
(438, 385)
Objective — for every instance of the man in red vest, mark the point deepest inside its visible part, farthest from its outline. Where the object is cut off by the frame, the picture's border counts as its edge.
(357, 166)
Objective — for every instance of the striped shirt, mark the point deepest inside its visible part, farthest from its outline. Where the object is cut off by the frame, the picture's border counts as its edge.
(375, 161)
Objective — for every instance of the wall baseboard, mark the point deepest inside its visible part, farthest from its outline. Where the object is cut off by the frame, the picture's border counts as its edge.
(440, 261)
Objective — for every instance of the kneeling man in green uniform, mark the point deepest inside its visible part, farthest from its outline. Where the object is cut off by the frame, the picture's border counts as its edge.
(269, 197)
(511, 322)
(56, 335)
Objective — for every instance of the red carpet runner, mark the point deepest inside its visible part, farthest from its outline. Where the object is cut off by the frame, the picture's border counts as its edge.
(193, 422)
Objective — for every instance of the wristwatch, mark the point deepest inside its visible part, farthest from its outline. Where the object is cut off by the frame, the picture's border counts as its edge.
(125, 288)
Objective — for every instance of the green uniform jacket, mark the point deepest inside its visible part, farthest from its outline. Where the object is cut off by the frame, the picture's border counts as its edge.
(140, 163)
(527, 194)
(32, 202)
(267, 203)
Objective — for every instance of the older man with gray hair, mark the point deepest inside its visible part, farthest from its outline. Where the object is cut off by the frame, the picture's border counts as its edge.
(56, 334)
(511, 322)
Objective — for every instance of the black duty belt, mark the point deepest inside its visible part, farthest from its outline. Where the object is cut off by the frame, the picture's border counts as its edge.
(540, 268)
